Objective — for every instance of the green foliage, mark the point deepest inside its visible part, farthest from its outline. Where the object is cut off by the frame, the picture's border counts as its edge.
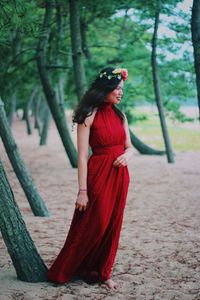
(118, 33)
(174, 113)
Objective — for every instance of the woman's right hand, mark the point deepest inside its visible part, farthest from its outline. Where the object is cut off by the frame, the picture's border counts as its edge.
(82, 201)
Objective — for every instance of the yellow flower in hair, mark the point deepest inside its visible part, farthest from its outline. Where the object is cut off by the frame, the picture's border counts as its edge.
(116, 71)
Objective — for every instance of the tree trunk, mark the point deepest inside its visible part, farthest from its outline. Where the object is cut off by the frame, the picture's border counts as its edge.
(77, 55)
(37, 204)
(58, 112)
(143, 148)
(12, 109)
(195, 28)
(27, 118)
(156, 83)
(59, 39)
(37, 101)
(27, 108)
(60, 92)
(16, 45)
(23, 114)
(84, 43)
(28, 264)
(45, 126)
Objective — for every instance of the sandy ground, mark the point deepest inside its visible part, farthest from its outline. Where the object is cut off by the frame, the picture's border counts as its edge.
(159, 251)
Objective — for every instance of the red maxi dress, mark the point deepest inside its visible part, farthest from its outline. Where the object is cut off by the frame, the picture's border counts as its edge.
(91, 245)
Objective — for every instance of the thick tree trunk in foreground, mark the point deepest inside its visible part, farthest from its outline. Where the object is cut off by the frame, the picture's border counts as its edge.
(27, 262)
(77, 54)
(195, 28)
(58, 112)
(143, 148)
(36, 202)
(156, 83)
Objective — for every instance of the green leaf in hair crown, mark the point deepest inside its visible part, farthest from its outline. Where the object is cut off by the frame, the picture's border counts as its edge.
(117, 73)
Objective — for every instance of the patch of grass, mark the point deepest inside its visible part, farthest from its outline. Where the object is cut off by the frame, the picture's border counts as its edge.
(182, 139)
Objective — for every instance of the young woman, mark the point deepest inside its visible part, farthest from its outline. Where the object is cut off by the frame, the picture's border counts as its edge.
(91, 245)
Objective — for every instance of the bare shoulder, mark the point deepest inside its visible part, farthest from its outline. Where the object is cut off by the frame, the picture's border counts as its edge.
(125, 118)
(89, 120)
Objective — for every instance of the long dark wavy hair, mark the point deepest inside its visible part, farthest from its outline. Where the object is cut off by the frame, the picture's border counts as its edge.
(95, 96)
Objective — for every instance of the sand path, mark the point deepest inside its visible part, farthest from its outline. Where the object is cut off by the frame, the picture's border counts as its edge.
(159, 252)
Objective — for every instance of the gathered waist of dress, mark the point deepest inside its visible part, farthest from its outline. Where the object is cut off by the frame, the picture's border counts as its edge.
(108, 149)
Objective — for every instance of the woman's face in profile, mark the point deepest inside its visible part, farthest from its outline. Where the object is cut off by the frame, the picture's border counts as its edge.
(116, 95)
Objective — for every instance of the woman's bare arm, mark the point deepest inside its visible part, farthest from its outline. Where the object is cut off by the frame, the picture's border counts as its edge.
(83, 133)
(82, 146)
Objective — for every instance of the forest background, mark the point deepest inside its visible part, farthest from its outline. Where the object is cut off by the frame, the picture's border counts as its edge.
(50, 53)
(118, 34)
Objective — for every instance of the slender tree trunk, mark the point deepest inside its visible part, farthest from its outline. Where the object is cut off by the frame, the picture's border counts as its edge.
(27, 118)
(37, 101)
(195, 28)
(59, 39)
(27, 108)
(28, 264)
(77, 55)
(157, 91)
(60, 92)
(12, 109)
(143, 148)
(45, 127)
(37, 204)
(23, 114)
(16, 45)
(58, 112)
(84, 43)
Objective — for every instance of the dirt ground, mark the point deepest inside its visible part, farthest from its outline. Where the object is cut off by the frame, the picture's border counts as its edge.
(159, 251)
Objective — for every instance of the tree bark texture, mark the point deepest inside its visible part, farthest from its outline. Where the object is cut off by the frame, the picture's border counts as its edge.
(37, 101)
(84, 43)
(157, 91)
(45, 126)
(36, 202)
(76, 44)
(27, 109)
(12, 108)
(143, 148)
(28, 264)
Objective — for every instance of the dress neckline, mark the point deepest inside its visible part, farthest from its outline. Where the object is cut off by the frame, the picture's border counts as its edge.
(106, 105)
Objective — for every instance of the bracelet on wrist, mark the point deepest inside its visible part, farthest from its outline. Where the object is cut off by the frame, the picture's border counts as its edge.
(82, 190)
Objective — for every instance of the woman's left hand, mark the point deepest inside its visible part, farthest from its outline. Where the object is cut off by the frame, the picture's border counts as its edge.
(121, 161)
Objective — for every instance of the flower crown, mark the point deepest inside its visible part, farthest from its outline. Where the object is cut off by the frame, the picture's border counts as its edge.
(118, 73)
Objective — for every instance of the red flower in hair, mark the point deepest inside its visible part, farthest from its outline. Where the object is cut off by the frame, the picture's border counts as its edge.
(118, 73)
(124, 73)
